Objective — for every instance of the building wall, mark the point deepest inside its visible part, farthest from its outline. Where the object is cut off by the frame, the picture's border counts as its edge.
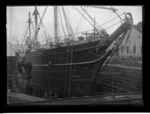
(133, 46)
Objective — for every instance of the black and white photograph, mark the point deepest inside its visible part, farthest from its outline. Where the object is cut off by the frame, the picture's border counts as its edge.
(74, 55)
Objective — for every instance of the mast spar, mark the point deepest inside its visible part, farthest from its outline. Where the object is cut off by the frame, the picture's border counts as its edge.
(29, 26)
(36, 13)
(56, 24)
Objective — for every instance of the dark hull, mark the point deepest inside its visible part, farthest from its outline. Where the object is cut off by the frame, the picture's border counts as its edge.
(71, 73)
(64, 77)
(58, 77)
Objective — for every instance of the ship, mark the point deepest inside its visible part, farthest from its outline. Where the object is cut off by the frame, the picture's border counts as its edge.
(70, 68)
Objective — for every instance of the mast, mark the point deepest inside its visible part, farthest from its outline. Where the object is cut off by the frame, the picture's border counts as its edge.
(28, 40)
(29, 27)
(56, 23)
(36, 21)
(94, 28)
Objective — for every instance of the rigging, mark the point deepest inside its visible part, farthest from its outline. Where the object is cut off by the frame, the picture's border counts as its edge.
(68, 26)
(44, 30)
(71, 34)
(79, 24)
(91, 18)
(62, 23)
(88, 20)
(38, 26)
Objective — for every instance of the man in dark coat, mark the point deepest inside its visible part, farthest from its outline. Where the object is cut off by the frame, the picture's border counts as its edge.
(29, 68)
(19, 66)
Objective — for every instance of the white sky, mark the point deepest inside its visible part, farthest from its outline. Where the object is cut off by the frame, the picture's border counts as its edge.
(17, 19)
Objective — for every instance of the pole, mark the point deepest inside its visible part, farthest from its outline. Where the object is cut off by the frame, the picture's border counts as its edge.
(56, 23)
(94, 27)
(86, 34)
(36, 21)
(29, 27)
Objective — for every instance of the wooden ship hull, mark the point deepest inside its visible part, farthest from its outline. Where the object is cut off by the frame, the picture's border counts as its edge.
(70, 73)
(58, 77)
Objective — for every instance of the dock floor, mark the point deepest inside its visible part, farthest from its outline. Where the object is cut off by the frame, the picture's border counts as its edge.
(22, 99)
(13, 98)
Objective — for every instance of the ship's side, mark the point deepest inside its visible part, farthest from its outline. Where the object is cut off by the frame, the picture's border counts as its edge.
(71, 70)
(52, 68)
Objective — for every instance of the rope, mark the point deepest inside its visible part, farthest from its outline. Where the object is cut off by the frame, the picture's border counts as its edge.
(70, 71)
(106, 78)
(117, 14)
(25, 29)
(86, 18)
(46, 30)
(111, 57)
(91, 17)
(126, 78)
(62, 23)
(25, 35)
(86, 31)
(24, 32)
(114, 51)
(33, 27)
(66, 57)
(92, 25)
(111, 54)
(111, 19)
(70, 62)
(38, 26)
(108, 17)
(126, 90)
(96, 69)
(11, 47)
(81, 18)
(43, 27)
(90, 51)
(65, 79)
(112, 25)
(74, 33)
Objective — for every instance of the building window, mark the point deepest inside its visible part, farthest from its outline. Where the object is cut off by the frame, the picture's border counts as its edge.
(134, 49)
(127, 49)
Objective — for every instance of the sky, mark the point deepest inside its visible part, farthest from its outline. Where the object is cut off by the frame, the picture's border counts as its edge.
(17, 19)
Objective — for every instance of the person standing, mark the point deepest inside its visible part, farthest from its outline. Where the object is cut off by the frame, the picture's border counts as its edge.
(29, 69)
(50, 95)
(45, 95)
(55, 95)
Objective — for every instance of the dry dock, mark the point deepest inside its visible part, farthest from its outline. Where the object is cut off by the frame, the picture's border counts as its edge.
(117, 84)
(121, 99)
(13, 98)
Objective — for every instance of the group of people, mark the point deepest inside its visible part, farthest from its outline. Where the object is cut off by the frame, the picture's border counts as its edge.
(39, 92)
(24, 67)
